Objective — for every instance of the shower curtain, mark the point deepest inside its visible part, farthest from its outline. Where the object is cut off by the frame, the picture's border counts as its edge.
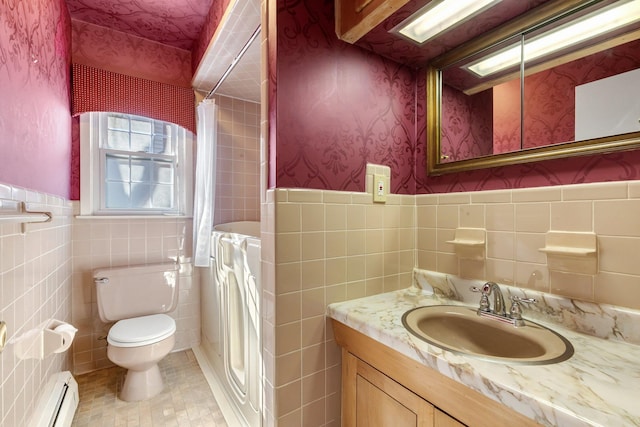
(204, 197)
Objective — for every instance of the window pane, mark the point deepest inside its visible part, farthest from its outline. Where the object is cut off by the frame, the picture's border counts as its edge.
(118, 140)
(141, 125)
(117, 195)
(141, 170)
(163, 173)
(140, 142)
(162, 196)
(141, 195)
(118, 168)
(161, 145)
(118, 122)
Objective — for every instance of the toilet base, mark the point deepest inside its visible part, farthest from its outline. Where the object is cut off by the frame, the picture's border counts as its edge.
(143, 379)
(141, 385)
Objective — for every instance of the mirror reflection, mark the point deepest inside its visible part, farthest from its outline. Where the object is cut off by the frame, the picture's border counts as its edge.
(579, 81)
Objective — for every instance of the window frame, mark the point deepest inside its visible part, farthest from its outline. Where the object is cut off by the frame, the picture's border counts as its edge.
(93, 130)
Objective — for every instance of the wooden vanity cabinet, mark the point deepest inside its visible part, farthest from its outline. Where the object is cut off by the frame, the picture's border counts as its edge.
(355, 18)
(371, 399)
(382, 387)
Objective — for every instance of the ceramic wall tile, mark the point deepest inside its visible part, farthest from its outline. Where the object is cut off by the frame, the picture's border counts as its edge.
(572, 216)
(532, 217)
(596, 191)
(35, 285)
(617, 218)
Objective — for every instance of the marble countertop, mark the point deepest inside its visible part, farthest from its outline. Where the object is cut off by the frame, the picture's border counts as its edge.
(598, 386)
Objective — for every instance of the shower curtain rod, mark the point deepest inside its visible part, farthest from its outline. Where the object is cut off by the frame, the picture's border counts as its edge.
(234, 62)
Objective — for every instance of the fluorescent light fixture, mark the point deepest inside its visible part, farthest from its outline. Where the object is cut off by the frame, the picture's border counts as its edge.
(592, 25)
(439, 16)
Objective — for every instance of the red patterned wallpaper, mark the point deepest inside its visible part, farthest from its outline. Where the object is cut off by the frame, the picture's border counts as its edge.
(123, 53)
(169, 22)
(35, 40)
(620, 166)
(466, 133)
(338, 107)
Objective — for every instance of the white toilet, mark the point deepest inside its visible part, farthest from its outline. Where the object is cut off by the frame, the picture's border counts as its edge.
(137, 298)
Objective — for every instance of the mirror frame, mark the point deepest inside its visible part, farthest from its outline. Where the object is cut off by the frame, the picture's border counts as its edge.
(536, 17)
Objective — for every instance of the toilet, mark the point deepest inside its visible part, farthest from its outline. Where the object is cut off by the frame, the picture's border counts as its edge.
(137, 299)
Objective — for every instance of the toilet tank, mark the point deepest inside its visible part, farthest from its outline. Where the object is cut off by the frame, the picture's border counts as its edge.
(138, 290)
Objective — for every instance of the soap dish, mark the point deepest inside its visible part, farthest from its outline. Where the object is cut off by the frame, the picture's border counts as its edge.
(572, 252)
(469, 243)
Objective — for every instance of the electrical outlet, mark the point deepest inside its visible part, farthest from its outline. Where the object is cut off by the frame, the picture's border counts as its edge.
(379, 188)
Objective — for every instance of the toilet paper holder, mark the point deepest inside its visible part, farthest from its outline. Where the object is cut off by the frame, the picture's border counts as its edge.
(50, 337)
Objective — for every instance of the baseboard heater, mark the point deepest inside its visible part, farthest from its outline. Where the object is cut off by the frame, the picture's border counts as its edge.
(58, 402)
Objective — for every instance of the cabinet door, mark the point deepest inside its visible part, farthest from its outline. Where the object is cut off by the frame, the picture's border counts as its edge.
(371, 399)
(443, 420)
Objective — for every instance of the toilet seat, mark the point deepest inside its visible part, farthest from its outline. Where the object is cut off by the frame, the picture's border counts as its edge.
(140, 331)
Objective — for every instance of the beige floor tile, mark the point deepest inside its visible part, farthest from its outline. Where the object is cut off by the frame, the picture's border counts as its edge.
(186, 400)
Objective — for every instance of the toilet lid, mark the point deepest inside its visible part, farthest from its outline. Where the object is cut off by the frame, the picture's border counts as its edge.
(140, 331)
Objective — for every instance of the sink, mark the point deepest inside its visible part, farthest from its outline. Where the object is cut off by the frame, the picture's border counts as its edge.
(460, 329)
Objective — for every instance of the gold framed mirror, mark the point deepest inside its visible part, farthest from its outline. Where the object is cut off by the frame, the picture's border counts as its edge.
(486, 107)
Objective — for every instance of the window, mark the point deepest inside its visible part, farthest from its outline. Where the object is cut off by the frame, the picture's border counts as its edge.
(134, 165)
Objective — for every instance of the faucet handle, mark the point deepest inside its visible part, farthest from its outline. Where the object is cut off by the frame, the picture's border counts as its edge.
(485, 289)
(484, 299)
(516, 309)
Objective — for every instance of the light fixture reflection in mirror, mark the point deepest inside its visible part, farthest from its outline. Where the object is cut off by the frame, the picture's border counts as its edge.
(588, 27)
(550, 87)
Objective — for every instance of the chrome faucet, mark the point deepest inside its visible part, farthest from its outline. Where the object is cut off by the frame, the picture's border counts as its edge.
(499, 311)
(498, 299)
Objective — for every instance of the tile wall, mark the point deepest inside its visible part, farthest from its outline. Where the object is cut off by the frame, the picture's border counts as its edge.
(35, 285)
(325, 246)
(517, 221)
(111, 242)
(238, 161)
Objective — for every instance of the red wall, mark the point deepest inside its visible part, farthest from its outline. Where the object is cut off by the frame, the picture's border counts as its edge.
(123, 53)
(507, 113)
(467, 124)
(35, 40)
(338, 107)
(335, 107)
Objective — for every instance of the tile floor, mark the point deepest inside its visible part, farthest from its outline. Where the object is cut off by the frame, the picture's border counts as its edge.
(186, 400)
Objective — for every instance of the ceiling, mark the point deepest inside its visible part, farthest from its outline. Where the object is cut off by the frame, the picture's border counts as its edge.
(178, 23)
(385, 43)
